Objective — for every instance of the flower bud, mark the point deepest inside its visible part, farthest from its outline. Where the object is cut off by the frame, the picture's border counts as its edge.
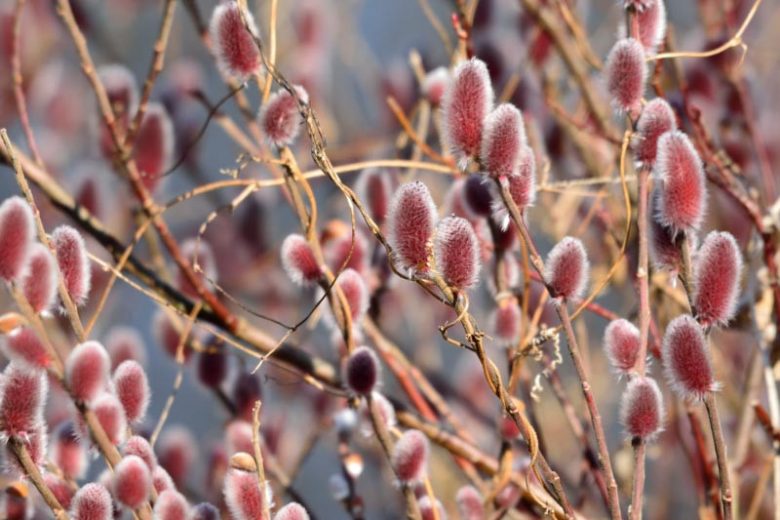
(23, 346)
(469, 502)
(132, 482)
(242, 495)
(22, 398)
(153, 150)
(566, 269)
(111, 416)
(73, 262)
(682, 194)
(39, 283)
(355, 292)
(292, 511)
(656, 119)
(299, 261)
(92, 502)
(642, 408)
(502, 140)
(435, 84)
(139, 447)
(234, 46)
(411, 219)
(686, 359)
(362, 371)
(626, 75)
(465, 105)
(374, 188)
(86, 370)
(456, 252)
(280, 119)
(132, 389)
(621, 344)
(410, 457)
(171, 505)
(716, 273)
(17, 235)
(246, 392)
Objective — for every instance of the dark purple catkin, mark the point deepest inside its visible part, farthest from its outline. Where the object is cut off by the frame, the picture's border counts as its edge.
(411, 220)
(686, 359)
(642, 408)
(716, 273)
(626, 75)
(362, 370)
(566, 269)
(456, 252)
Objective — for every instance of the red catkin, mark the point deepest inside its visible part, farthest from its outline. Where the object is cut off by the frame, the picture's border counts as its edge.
(242, 495)
(154, 146)
(140, 447)
(17, 233)
(67, 452)
(111, 417)
(566, 269)
(411, 220)
(39, 284)
(502, 140)
(355, 291)
(73, 262)
(681, 201)
(234, 46)
(299, 261)
(621, 344)
(374, 188)
(123, 344)
(686, 359)
(642, 408)
(716, 273)
(132, 390)
(176, 452)
(132, 482)
(292, 511)
(280, 119)
(506, 322)
(456, 252)
(652, 24)
(626, 74)
(657, 118)
(86, 370)
(469, 502)
(24, 346)
(22, 397)
(410, 457)
(92, 502)
(171, 505)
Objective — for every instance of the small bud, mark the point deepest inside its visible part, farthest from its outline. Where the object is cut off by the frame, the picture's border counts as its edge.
(92, 502)
(171, 505)
(17, 234)
(411, 219)
(73, 262)
(477, 197)
(716, 273)
(39, 284)
(686, 359)
(242, 495)
(234, 46)
(410, 457)
(132, 482)
(566, 269)
(362, 371)
(430, 510)
(213, 365)
(626, 75)
(642, 408)
(652, 24)
(355, 291)
(502, 140)
(682, 194)
(292, 511)
(132, 389)
(139, 447)
(67, 452)
(154, 146)
(374, 188)
(621, 344)
(465, 105)
(111, 416)
(299, 261)
(161, 480)
(22, 398)
(657, 118)
(176, 451)
(280, 118)
(456, 252)
(23, 346)
(86, 370)
(506, 321)
(205, 511)
(435, 84)
(125, 344)
(469, 502)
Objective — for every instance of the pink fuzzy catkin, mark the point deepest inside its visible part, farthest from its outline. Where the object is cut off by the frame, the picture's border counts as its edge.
(171, 505)
(292, 511)
(67, 452)
(123, 344)
(92, 502)
(122, 91)
(355, 291)
(111, 416)
(566, 269)
(411, 220)
(374, 188)
(86, 370)
(140, 447)
(280, 119)
(24, 346)
(410, 457)
(73, 262)
(234, 46)
(299, 261)
(17, 234)
(652, 24)
(502, 140)
(39, 283)
(621, 344)
(435, 85)
(506, 322)
(686, 359)
(642, 408)
(132, 390)
(132, 482)
(469, 502)
(656, 119)
(456, 252)
(362, 370)
(22, 397)
(154, 145)
(682, 194)
(626, 74)
(176, 452)
(242, 495)
(465, 105)
(716, 273)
